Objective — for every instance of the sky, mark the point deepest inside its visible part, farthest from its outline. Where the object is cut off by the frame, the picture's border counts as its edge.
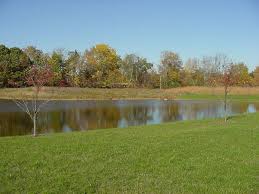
(192, 28)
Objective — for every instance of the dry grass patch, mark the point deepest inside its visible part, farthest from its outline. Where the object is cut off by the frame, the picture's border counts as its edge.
(70, 93)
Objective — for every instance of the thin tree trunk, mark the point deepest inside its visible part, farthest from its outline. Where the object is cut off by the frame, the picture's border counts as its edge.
(160, 82)
(225, 104)
(34, 125)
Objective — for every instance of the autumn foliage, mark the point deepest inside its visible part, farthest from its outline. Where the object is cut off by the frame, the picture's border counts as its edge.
(39, 76)
(102, 67)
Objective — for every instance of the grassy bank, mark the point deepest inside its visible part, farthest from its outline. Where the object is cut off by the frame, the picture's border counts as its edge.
(207, 156)
(232, 97)
(237, 93)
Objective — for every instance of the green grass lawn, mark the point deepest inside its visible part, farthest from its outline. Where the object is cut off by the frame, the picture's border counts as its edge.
(240, 98)
(207, 156)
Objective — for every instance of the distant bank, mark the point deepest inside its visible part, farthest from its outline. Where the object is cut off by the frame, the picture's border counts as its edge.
(68, 93)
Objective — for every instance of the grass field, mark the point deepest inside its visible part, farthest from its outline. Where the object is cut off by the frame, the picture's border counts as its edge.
(232, 97)
(208, 156)
(237, 93)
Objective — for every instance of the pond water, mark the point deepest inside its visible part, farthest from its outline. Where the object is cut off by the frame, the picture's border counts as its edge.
(65, 116)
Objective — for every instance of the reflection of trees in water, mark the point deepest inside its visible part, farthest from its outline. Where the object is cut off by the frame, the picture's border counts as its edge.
(51, 121)
(169, 112)
(75, 119)
(18, 123)
(79, 119)
(238, 107)
(199, 110)
(136, 115)
(92, 118)
(209, 110)
(256, 106)
(14, 123)
(115, 115)
(107, 117)
(188, 110)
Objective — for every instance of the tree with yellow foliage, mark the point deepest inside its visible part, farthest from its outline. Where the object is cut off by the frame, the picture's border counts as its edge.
(241, 74)
(103, 61)
(170, 67)
(256, 76)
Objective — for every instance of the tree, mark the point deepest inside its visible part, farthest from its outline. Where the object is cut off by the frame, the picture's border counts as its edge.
(73, 64)
(171, 60)
(226, 78)
(153, 80)
(218, 72)
(36, 56)
(136, 69)
(37, 77)
(143, 70)
(129, 67)
(4, 65)
(256, 76)
(211, 68)
(240, 71)
(18, 64)
(192, 74)
(58, 66)
(102, 60)
(170, 67)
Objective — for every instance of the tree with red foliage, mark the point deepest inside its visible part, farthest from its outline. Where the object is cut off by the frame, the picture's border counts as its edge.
(220, 71)
(37, 78)
(227, 77)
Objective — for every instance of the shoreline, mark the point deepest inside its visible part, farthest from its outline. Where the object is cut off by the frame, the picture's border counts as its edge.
(182, 93)
(182, 98)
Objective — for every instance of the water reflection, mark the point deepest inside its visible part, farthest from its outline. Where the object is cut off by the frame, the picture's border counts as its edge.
(65, 116)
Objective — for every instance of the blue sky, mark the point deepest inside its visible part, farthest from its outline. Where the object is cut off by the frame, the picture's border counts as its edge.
(146, 27)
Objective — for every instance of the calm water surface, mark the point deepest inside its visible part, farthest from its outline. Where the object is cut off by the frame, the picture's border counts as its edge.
(65, 116)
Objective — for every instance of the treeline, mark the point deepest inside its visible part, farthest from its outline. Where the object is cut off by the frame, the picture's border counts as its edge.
(102, 67)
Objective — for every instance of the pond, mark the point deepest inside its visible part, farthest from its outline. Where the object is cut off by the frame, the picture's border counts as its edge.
(65, 116)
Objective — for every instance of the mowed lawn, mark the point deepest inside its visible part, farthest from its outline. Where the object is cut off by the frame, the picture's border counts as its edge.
(207, 156)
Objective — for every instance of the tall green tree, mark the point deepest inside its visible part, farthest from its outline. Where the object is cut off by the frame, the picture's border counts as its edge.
(19, 65)
(14, 64)
(4, 65)
(58, 66)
